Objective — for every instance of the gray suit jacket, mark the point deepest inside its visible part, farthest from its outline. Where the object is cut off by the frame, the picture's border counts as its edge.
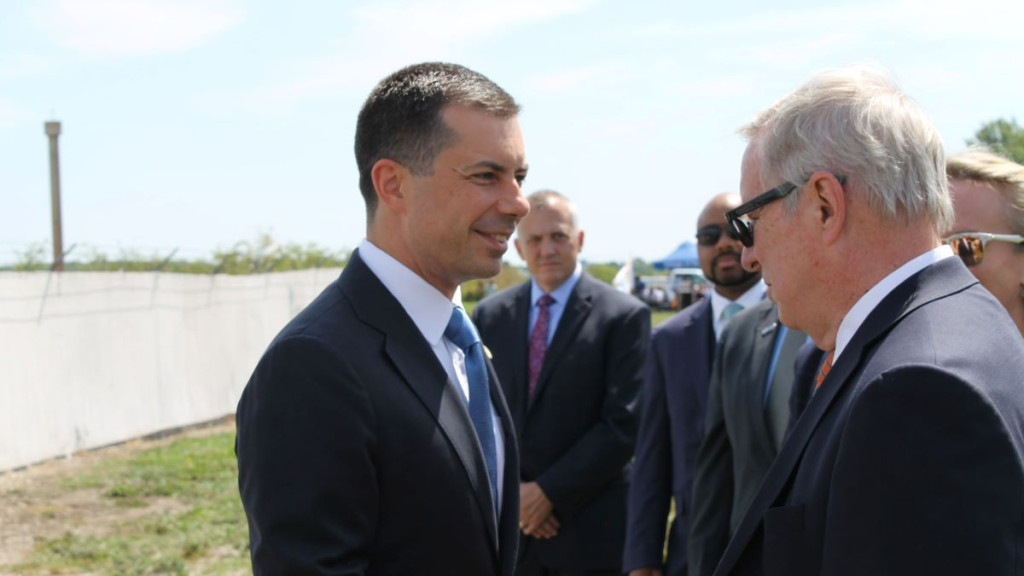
(738, 446)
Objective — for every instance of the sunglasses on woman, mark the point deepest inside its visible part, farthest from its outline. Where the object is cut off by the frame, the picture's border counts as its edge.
(970, 246)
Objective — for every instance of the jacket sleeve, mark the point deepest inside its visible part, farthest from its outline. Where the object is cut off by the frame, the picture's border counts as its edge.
(306, 462)
(650, 492)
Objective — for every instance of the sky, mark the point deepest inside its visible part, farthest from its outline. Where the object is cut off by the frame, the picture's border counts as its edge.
(192, 125)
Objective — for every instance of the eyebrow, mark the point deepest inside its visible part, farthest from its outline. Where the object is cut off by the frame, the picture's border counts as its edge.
(495, 166)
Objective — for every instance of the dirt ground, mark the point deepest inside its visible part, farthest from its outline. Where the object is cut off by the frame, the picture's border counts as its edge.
(33, 505)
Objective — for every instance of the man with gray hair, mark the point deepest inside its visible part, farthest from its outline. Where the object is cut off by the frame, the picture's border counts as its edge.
(909, 457)
(569, 352)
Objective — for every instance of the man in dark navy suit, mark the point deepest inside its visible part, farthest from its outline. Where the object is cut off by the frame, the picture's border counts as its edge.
(674, 397)
(909, 456)
(373, 437)
(569, 351)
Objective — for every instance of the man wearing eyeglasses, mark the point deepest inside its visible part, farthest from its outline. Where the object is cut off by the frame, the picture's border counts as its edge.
(909, 457)
(988, 199)
(675, 393)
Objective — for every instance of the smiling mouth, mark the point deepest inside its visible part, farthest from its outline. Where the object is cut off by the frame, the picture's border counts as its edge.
(498, 238)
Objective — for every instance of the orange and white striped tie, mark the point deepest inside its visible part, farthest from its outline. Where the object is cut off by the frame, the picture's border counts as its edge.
(824, 370)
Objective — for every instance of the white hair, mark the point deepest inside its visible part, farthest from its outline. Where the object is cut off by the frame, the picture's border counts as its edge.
(855, 122)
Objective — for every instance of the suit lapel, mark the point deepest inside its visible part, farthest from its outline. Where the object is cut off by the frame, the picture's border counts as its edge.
(415, 361)
(576, 310)
(935, 281)
(764, 344)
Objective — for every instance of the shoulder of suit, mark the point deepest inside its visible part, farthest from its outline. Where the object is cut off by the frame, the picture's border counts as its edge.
(606, 293)
(503, 298)
(692, 314)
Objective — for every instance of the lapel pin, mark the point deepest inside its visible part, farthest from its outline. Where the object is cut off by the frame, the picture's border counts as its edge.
(487, 352)
(769, 329)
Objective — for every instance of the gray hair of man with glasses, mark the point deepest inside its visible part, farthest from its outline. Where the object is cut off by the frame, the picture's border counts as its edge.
(856, 122)
(1004, 175)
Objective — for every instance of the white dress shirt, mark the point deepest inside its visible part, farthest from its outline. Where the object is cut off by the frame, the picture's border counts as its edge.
(556, 308)
(751, 297)
(430, 311)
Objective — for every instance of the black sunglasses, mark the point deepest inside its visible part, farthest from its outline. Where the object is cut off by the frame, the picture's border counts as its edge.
(744, 229)
(710, 234)
(970, 246)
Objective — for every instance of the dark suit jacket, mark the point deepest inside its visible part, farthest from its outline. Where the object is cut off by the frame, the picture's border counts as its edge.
(671, 427)
(356, 453)
(910, 457)
(738, 446)
(577, 436)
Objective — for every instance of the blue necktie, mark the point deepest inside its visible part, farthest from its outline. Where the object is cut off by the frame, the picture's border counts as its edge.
(460, 332)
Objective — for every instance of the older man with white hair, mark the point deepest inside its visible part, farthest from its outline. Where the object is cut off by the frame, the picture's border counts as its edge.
(909, 457)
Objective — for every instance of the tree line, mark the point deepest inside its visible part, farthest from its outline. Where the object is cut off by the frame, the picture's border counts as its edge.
(1002, 136)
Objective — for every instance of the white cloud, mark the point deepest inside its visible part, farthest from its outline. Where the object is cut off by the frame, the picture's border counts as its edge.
(577, 78)
(11, 115)
(715, 88)
(24, 65)
(796, 50)
(132, 28)
(441, 24)
(388, 35)
(990, 20)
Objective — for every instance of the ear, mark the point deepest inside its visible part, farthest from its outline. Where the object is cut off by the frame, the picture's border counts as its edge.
(519, 249)
(830, 208)
(579, 241)
(389, 181)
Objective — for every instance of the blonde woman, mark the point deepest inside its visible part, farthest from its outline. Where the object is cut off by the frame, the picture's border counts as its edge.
(988, 200)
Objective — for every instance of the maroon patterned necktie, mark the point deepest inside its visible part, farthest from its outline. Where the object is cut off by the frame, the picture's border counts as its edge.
(539, 341)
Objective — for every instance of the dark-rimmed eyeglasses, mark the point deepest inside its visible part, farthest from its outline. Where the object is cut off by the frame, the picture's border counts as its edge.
(710, 234)
(970, 246)
(745, 228)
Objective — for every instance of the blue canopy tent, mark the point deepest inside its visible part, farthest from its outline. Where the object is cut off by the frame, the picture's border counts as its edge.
(685, 256)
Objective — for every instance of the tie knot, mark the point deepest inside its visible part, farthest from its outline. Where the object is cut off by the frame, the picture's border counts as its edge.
(460, 329)
(730, 310)
(545, 301)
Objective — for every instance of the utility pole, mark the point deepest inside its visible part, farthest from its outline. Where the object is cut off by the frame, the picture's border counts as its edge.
(52, 132)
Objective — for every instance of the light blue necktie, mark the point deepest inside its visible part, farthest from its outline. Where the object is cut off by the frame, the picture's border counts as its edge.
(460, 332)
(728, 312)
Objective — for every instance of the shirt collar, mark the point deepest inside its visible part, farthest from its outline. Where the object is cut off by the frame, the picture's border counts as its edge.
(873, 297)
(429, 309)
(560, 294)
(751, 297)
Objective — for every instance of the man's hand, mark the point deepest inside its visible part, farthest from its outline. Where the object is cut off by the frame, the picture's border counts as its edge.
(535, 517)
(645, 572)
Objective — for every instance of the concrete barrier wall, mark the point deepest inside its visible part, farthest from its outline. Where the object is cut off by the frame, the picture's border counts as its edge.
(93, 358)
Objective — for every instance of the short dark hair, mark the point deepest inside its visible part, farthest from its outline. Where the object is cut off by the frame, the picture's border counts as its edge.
(401, 118)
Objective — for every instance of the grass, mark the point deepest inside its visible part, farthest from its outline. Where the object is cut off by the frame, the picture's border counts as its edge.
(205, 529)
(659, 316)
